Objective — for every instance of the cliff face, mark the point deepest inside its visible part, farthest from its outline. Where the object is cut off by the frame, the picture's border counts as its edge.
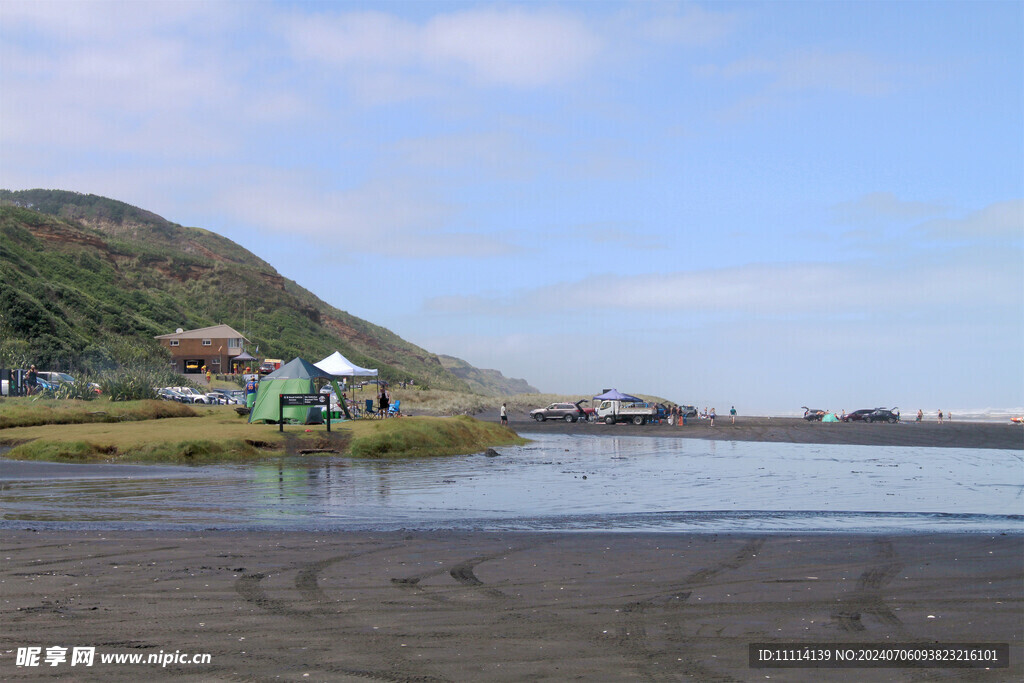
(85, 278)
(486, 382)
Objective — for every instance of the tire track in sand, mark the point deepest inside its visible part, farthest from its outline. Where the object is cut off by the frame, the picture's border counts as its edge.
(307, 582)
(866, 598)
(632, 635)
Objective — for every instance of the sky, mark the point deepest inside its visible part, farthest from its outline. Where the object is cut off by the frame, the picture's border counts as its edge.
(760, 205)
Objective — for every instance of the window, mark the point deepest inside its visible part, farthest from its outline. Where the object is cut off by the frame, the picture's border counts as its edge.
(174, 342)
(207, 342)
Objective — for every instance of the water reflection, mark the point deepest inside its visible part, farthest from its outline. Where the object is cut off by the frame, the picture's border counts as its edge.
(556, 482)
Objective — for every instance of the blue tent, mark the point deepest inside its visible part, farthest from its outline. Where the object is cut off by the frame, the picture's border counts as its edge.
(616, 395)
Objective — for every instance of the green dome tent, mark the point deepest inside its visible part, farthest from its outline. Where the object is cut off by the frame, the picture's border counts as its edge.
(294, 377)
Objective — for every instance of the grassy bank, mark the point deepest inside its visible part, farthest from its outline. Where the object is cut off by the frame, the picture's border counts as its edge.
(29, 412)
(208, 434)
(427, 436)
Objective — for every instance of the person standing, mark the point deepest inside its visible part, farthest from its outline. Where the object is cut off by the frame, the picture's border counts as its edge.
(711, 415)
(251, 386)
(919, 415)
(940, 417)
(504, 414)
(31, 380)
(732, 414)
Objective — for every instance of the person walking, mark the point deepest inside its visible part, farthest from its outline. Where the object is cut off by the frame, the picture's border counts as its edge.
(940, 417)
(732, 414)
(919, 415)
(504, 414)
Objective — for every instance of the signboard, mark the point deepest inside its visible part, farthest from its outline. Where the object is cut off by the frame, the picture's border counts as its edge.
(307, 400)
(304, 399)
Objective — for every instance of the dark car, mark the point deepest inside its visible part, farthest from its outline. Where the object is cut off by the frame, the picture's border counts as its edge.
(858, 415)
(813, 414)
(883, 415)
(570, 412)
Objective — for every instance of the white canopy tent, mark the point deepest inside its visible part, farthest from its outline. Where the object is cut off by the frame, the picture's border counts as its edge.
(339, 366)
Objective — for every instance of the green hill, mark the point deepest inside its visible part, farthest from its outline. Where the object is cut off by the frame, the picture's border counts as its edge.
(86, 282)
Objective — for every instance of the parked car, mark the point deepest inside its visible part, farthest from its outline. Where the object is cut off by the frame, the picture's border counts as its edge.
(190, 395)
(44, 386)
(172, 394)
(688, 411)
(228, 396)
(56, 377)
(164, 394)
(858, 415)
(813, 414)
(570, 412)
(883, 415)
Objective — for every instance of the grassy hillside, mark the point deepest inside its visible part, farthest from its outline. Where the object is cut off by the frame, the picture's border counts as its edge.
(87, 282)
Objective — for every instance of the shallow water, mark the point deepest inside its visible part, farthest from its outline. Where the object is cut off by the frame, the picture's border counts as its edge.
(557, 482)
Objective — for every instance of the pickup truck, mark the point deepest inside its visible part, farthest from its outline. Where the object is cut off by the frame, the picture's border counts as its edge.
(640, 413)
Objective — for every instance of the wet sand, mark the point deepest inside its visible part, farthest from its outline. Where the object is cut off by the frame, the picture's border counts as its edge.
(796, 430)
(500, 606)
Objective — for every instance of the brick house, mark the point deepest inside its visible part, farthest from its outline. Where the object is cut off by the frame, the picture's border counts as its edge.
(213, 347)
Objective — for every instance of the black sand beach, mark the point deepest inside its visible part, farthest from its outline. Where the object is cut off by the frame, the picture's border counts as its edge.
(472, 606)
(796, 430)
(501, 606)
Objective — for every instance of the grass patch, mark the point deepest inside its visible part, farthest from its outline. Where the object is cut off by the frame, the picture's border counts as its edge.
(217, 434)
(418, 437)
(29, 412)
(184, 452)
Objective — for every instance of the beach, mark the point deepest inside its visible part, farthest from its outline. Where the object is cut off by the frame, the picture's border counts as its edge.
(463, 605)
(797, 430)
(500, 606)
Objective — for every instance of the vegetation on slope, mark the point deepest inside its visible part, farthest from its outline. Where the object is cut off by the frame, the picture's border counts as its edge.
(87, 282)
(486, 382)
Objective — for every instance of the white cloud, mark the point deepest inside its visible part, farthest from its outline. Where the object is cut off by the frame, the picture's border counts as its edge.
(507, 46)
(816, 70)
(1001, 220)
(882, 207)
(962, 281)
(495, 153)
(691, 25)
(398, 219)
(512, 46)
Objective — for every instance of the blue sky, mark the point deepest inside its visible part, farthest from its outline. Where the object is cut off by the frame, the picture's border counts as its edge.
(765, 205)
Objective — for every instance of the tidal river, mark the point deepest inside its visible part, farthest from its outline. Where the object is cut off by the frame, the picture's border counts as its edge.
(557, 482)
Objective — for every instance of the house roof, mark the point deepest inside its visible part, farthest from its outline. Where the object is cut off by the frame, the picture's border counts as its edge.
(214, 332)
